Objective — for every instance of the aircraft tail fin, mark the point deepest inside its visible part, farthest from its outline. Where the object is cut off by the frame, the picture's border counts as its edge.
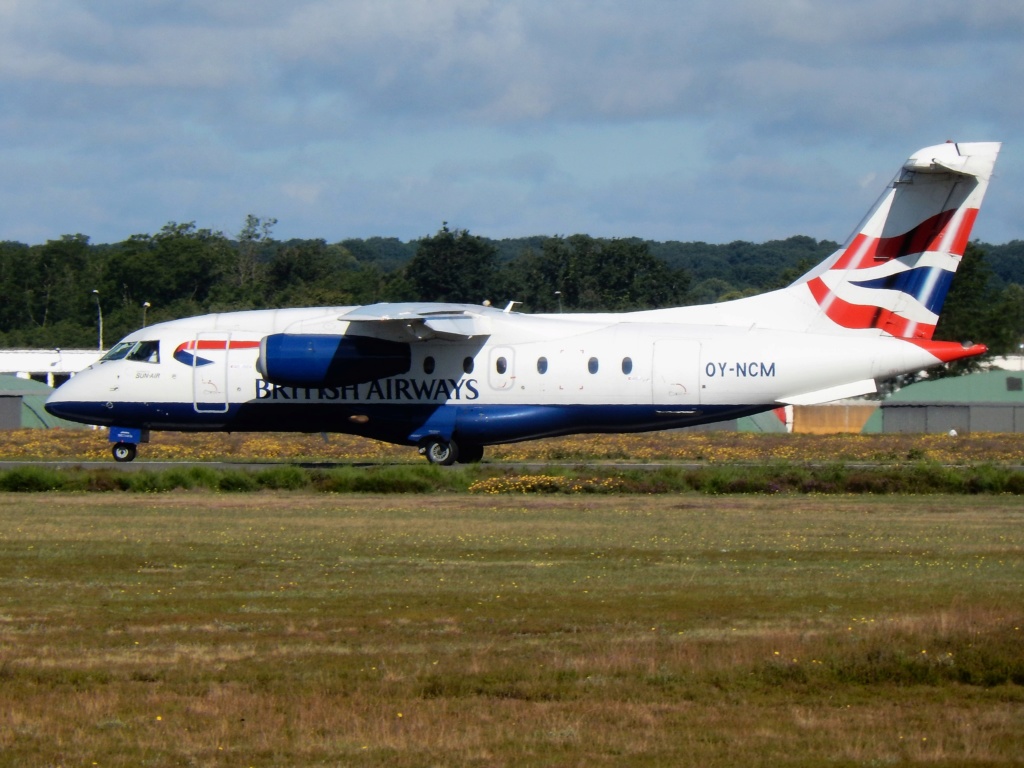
(894, 272)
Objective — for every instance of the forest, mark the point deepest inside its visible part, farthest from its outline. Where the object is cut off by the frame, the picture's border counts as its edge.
(54, 293)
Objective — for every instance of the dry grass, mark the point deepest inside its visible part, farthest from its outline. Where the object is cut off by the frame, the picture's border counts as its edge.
(292, 629)
(678, 446)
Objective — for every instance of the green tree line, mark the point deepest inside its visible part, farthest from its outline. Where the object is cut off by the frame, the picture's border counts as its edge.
(54, 293)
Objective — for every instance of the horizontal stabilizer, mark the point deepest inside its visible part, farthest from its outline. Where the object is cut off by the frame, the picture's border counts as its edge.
(853, 389)
(964, 159)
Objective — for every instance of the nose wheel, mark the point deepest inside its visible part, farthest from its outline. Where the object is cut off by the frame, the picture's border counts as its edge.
(125, 440)
(123, 451)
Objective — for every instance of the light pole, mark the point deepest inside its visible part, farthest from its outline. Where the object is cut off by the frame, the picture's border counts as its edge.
(559, 295)
(145, 306)
(99, 318)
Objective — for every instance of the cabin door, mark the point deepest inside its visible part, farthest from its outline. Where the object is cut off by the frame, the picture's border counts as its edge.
(676, 376)
(210, 370)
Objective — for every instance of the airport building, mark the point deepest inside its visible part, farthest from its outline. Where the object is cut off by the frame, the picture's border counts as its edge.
(992, 401)
(27, 377)
(50, 366)
(21, 405)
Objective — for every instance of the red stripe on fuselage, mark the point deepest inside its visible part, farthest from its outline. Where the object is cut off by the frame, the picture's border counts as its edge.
(215, 344)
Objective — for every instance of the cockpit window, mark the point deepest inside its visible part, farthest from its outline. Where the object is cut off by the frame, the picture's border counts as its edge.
(145, 352)
(139, 351)
(118, 351)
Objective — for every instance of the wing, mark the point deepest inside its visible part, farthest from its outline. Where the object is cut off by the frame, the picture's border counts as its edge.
(420, 321)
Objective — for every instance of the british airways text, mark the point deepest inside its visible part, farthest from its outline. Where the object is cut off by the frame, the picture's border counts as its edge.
(389, 390)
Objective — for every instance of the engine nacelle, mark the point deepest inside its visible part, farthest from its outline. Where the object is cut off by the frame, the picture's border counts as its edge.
(308, 360)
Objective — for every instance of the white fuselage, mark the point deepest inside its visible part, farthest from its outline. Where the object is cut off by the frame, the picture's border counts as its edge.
(529, 376)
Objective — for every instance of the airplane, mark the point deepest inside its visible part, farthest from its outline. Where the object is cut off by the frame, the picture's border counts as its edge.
(451, 379)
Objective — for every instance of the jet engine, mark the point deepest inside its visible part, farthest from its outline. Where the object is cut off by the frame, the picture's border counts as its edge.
(307, 360)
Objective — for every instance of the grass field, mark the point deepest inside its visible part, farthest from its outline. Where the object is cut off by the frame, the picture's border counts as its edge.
(673, 446)
(270, 629)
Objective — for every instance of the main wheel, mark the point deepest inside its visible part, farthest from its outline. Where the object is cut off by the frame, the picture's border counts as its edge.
(470, 454)
(443, 452)
(123, 451)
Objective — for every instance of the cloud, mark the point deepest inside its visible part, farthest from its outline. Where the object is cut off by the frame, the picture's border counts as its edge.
(498, 111)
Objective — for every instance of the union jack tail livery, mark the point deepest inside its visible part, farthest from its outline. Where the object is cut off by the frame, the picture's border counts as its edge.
(893, 274)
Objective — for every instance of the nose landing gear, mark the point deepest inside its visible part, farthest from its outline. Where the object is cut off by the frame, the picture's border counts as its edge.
(124, 451)
(125, 442)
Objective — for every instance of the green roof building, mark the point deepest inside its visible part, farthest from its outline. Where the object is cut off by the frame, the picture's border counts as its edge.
(992, 401)
(21, 405)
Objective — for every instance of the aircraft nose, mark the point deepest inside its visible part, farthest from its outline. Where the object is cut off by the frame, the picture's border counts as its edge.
(57, 403)
(66, 402)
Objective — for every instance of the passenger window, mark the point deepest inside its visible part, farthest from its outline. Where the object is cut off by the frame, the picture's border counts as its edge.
(428, 365)
(592, 365)
(627, 366)
(542, 365)
(467, 365)
(501, 365)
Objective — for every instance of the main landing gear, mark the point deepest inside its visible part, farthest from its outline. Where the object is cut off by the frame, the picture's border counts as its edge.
(447, 452)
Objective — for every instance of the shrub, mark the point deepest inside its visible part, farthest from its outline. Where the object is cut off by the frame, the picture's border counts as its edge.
(397, 479)
(987, 479)
(200, 477)
(411, 479)
(922, 478)
(285, 478)
(237, 481)
(106, 480)
(144, 481)
(31, 479)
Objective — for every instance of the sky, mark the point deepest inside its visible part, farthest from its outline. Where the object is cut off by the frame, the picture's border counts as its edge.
(710, 120)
